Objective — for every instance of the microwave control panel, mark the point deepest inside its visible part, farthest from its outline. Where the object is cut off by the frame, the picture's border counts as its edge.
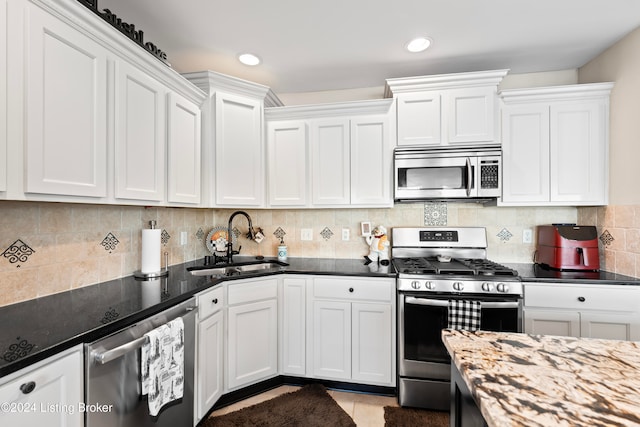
(489, 174)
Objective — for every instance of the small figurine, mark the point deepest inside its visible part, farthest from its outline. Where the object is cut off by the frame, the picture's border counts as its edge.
(378, 246)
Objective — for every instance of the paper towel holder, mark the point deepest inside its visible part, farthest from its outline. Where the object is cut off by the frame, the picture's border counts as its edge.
(139, 275)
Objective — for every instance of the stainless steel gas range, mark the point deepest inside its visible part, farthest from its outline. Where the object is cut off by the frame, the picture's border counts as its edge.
(438, 267)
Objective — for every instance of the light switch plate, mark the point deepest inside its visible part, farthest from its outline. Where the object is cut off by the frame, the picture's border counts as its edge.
(345, 234)
(183, 238)
(527, 235)
(306, 234)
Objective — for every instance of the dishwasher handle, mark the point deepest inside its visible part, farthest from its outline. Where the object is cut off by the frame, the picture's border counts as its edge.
(102, 357)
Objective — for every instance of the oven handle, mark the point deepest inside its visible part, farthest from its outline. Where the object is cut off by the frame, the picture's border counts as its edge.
(445, 303)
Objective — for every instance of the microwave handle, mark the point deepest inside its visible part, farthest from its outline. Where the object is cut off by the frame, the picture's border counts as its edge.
(469, 176)
(445, 303)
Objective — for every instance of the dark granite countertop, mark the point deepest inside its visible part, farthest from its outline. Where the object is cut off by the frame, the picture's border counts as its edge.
(537, 273)
(36, 329)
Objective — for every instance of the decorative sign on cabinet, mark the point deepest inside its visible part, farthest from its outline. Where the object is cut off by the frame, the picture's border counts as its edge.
(555, 145)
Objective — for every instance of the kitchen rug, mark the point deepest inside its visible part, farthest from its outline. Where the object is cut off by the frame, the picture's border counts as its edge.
(311, 406)
(411, 417)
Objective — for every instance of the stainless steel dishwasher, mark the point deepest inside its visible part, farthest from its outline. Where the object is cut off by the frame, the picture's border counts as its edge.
(113, 373)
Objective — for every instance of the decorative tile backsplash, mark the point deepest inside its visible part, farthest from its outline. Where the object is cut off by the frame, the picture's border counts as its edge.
(64, 246)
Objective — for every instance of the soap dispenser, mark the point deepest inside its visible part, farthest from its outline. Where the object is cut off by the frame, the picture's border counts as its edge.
(282, 251)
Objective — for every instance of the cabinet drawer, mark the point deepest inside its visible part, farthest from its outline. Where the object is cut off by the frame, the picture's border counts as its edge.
(210, 301)
(354, 289)
(254, 290)
(582, 297)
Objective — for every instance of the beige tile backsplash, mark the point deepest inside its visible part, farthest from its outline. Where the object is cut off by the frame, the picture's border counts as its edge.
(66, 239)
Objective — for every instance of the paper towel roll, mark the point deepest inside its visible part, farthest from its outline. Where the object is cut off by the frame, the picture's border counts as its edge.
(151, 241)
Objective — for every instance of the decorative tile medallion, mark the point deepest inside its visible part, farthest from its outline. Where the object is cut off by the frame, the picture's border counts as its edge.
(110, 242)
(17, 350)
(18, 252)
(279, 233)
(200, 234)
(435, 213)
(504, 235)
(109, 316)
(326, 233)
(164, 237)
(606, 238)
(236, 232)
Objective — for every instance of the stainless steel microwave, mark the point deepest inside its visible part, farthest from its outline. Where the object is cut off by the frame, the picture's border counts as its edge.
(443, 173)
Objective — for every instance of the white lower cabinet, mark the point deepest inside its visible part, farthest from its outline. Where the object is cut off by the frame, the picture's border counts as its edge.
(351, 326)
(292, 326)
(48, 393)
(210, 340)
(593, 311)
(252, 334)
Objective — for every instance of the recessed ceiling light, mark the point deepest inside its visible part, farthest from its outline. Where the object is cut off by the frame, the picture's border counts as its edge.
(249, 59)
(418, 44)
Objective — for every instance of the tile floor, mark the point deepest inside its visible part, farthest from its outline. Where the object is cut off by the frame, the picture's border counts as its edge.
(367, 410)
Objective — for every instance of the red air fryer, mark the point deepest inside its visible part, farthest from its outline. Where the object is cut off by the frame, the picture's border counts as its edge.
(568, 247)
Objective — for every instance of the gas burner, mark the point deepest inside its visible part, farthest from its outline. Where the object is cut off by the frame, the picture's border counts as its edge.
(485, 267)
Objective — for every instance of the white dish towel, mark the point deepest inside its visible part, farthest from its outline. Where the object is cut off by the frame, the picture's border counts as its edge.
(162, 360)
(464, 315)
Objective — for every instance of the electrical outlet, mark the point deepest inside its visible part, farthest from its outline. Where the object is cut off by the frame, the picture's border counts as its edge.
(306, 234)
(345, 234)
(527, 235)
(183, 238)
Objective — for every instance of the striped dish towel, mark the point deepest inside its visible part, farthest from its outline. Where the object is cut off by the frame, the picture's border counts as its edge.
(464, 315)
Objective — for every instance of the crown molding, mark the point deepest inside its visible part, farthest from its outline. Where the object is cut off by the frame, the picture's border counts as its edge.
(397, 86)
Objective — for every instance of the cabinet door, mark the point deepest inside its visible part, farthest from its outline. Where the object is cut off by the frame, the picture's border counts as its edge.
(419, 118)
(184, 145)
(578, 155)
(372, 343)
(239, 151)
(288, 166)
(58, 384)
(610, 325)
(140, 135)
(209, 372)
(471, 115)
(525, 154)
(66, 93)
(330, 151)
(332, 339)
(252, 350)
(371, 165)
(551, 322)
(3, 94)
(293, 329)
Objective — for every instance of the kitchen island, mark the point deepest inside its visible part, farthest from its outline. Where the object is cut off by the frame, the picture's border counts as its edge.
(537, 380)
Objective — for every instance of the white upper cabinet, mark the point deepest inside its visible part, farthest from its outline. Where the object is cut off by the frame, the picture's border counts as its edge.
(350, 150)
(239, 166)
(184, 147)
(66, 116)
(233, 143)
(330, 148)
(447, 108)
(287, 151)
(555, 145)
(140, 135)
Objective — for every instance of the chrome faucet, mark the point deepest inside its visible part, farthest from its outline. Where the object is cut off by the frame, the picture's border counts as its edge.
(251, 234)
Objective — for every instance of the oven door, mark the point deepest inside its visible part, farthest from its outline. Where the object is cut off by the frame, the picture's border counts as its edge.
(421, 319)
(435, 177)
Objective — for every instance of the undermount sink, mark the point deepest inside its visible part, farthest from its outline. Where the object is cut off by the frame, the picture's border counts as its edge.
(232, 270)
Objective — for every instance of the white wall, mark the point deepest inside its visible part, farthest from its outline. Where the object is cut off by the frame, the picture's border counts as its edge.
(621, 64)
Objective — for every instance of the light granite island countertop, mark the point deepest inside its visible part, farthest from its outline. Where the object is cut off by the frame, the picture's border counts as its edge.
(542, 380)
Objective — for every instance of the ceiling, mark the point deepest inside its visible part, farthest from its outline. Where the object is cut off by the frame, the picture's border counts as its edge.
(316, 45)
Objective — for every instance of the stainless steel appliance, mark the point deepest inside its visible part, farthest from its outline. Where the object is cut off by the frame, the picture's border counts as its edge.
(460, 172)
(112, 372)
(568, 247)
(436, 265)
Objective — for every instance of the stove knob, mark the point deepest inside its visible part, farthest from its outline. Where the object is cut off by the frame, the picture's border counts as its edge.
(487, 287)
(415, 284)
(502, 287)
(429, 285)
(458, 286)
